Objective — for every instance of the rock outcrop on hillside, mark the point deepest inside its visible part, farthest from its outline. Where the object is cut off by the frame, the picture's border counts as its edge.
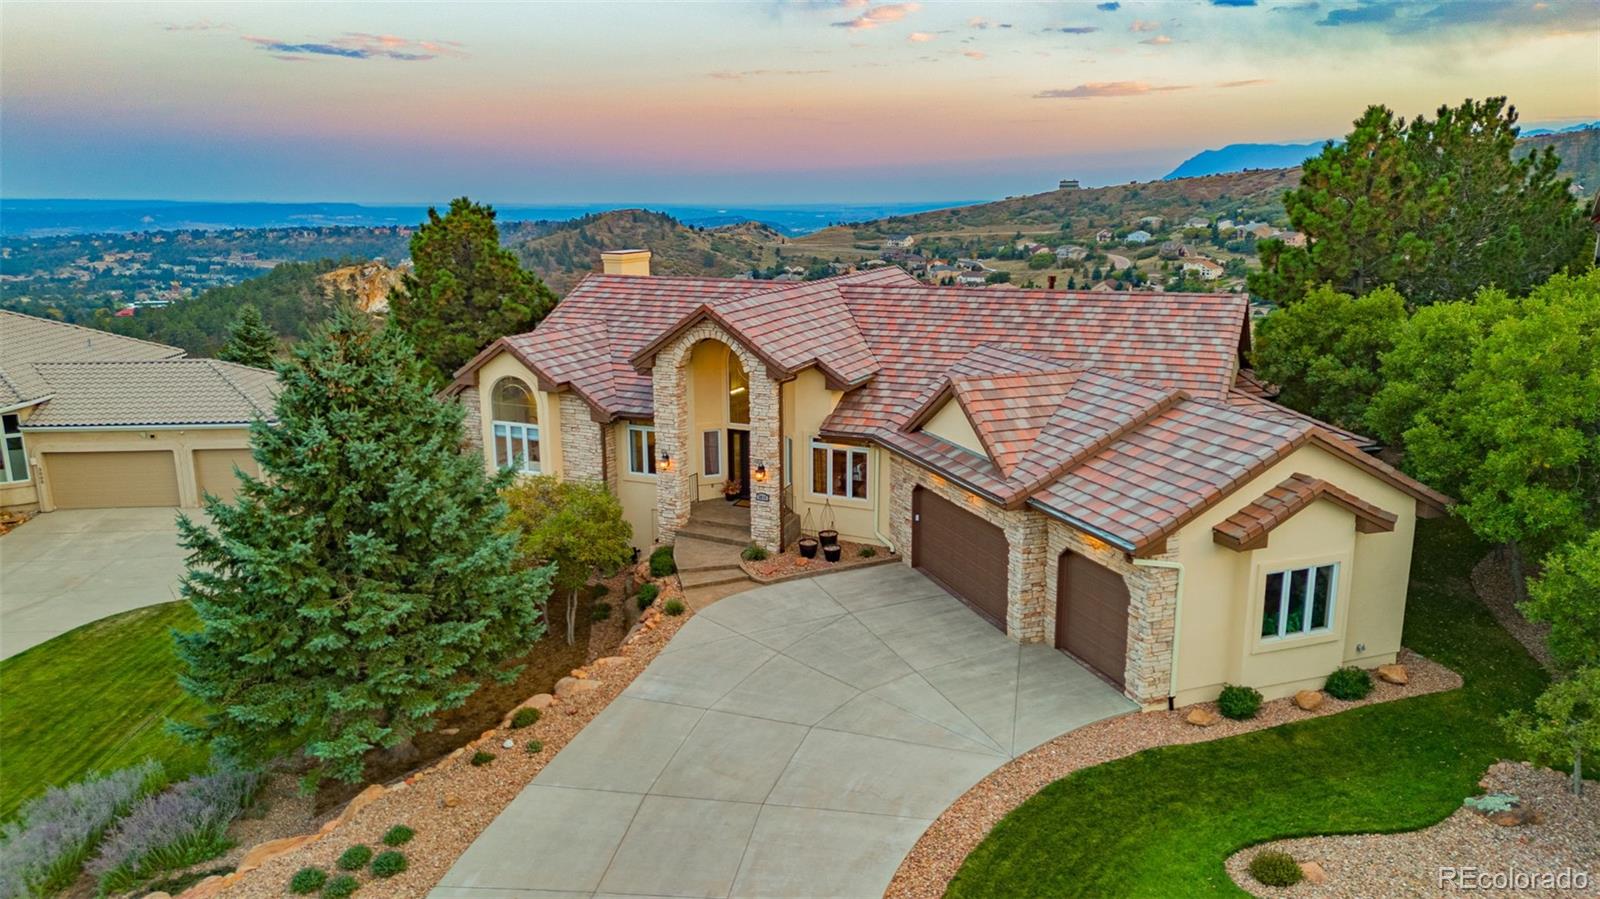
(369, 282)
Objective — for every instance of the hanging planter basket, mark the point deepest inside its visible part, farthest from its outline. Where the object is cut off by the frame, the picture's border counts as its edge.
(808, 547)
(828, 536)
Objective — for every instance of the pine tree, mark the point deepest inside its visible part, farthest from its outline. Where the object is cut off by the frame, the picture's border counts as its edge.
(250, 341)
(366, 581)
(465, 290)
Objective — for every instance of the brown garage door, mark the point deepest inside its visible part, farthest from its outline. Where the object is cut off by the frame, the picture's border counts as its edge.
(1092, 615)
(961, 551)
(92, 480)
(213, 470)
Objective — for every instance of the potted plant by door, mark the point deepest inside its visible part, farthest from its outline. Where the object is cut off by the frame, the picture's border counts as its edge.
(827, 536)
(808, 547)
(731, 491)
(832, 551)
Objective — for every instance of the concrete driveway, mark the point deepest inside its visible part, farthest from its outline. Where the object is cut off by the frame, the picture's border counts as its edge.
(794, 740)
(68, 568)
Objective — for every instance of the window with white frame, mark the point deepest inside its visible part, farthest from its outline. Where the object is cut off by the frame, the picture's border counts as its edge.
(838, 471)
(711, 454)
(515, 426)
(788, 461)
(13, 458)
(641, 449)
(1299, 601)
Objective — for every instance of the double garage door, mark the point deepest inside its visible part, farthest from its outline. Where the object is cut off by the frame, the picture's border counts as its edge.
(967, 556)
(139, 478)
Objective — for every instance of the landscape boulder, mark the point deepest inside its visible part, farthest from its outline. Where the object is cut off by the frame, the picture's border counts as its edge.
(570, 686)
(1202, 717)
(261, 853)
(1393, 674)
(1313, 872)
(1308, 700)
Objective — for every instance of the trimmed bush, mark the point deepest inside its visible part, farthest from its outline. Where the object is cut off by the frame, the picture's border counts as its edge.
(481, 758)
(307, 880)
(674, 607)
(355, 858)
(525, 717)
(647, 594)
(398, 835)
(600, 612)
(755, 552)
(598, 590)
(182, 826)
(340, 887)
(1238, 702)
(1275, 869)
(53, 835)
(388, 863)
(1348, 683)
(534, 747)
(867, 552)
(661, 562)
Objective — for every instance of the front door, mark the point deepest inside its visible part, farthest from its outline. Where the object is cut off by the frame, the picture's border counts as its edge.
(739, 460)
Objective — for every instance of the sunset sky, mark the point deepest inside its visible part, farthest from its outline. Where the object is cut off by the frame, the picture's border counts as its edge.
(755, 102)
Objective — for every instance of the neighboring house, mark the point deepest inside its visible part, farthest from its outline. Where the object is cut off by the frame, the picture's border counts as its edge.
(97, 419)
(1072, 252)
(900, 242)
(973, 279)
(1172, 249)
(1140, 236)
(1089, 471)
(1104, 235)
(1203, 267)
(1290, 238)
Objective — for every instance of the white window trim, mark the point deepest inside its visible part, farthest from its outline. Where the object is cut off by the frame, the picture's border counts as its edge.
(827, 478)
(707, 470)
(647, 452)
(788, 461)
(22, 443)
(530, 439)
(1311, 589)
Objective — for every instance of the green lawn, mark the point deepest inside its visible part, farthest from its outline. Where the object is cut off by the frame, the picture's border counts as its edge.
(95, 698)
(1160, 823)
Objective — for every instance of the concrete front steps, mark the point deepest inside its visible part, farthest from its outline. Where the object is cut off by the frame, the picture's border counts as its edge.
(708, 562)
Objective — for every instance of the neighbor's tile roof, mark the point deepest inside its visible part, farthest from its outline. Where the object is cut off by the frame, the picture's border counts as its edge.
(164, 392)
(1248, 528)
(26, 339)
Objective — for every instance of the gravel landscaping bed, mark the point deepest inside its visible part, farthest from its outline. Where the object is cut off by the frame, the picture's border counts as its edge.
(789, 564)
(1567, 836)
(450, 804)
(936, 857)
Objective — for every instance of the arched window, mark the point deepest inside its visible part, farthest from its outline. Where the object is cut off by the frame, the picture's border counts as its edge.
(516, 426)
(738, 392)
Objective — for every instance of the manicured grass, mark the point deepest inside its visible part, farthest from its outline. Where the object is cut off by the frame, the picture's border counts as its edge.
(1160, 823)
(96, 698)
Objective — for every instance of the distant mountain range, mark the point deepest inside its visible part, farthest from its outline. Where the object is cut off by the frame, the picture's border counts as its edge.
(1243, 157)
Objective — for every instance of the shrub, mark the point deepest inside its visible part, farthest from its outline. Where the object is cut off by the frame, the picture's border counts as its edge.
(398, 835)
(867, 552)
(389, 863)
(524, 717)
(355, 858)
(481, 758)
(340, 887)
(54, 834)
(598, 590)
(1238, 702)
(755, 552)
(1349, 682)
(600, 612)
(182, 826)
(1275, 869)
(647, 594)
(534, 747)
(661, 563)
(307, 880)
(674, 607)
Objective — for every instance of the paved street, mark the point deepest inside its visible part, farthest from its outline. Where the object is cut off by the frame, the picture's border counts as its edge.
(68, 568)
(793, 740)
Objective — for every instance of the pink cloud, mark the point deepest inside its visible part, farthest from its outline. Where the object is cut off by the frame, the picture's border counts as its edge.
(1248, 82)
(1108, 89)
(919, 37)
(1159, 40)
(880, 15)
(975, 54)
(1144, 25)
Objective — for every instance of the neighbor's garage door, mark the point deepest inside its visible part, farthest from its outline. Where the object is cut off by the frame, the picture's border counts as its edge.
(961, 551)
(1092, 615)
(90, 480)
(213, 470)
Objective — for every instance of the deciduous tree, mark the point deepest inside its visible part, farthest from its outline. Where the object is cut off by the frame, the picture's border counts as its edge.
(575, 525)
(1323, 352)
(366, 581)
(1564, 724)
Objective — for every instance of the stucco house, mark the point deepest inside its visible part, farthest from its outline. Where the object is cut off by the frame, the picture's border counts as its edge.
(95, 419)
(1087, 470)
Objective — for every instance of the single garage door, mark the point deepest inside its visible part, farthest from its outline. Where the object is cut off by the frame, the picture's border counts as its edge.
(961, 551)
(1092, 615)
(213, 471)
(93, 480)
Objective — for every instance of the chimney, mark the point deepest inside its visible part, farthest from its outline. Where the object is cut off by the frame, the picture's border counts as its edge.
(1052, 282)
(625, 262)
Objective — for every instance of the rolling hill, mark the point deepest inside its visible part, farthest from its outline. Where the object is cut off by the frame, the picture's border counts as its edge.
(1242, 157)
(563, 252)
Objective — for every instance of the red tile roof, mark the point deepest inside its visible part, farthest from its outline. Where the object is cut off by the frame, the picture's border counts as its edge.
(1248, 528)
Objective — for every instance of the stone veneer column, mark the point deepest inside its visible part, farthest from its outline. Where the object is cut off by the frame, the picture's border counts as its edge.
(471, 420)
(582, 446)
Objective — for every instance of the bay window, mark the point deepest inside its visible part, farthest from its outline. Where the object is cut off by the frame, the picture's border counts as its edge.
(515, 426)
(838, 471)
(1299, 601)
